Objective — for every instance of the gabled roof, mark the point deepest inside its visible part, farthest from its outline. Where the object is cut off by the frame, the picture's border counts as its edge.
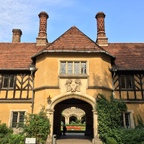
(73, 40)
(129, 56)
(17, 55)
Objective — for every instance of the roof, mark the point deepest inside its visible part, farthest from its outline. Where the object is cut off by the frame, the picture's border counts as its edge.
(129, 56)
(73, 40)
(17, 55)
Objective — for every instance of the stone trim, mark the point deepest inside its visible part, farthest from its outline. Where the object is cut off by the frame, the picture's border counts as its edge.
(14, 101)
(46, 87)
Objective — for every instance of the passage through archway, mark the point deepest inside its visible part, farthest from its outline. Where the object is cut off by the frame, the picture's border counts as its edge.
(73, 102)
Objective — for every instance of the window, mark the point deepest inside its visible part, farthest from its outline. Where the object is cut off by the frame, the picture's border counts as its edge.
(8, 81)
(17, 118)
(126, 81)
(73, 67)
(126, 120)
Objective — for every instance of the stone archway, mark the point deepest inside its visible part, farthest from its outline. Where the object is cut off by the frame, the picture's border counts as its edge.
(60, 102)
(77, 103)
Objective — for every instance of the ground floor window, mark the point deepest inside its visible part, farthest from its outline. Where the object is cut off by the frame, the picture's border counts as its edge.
(127, 120)
(17, 118)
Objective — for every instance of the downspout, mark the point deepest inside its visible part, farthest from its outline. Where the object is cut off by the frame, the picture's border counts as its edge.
(113, 71)
(32, 70)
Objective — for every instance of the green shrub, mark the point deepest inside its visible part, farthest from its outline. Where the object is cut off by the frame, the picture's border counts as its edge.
(5, 133)
(110, 140)
(37, 126)
(16, 139)
(4, 130)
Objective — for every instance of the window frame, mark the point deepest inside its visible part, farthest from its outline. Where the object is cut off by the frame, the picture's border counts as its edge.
(128, 123)
(126, 82)
(18, 122)
(72, 70)
(8, 81)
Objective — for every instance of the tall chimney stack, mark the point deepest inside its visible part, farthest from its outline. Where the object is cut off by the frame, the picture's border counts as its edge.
(16, 38)
(101, 40)
(41, 40)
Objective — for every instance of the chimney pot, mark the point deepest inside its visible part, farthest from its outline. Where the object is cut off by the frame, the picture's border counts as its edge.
(102, 40)
(16, 35)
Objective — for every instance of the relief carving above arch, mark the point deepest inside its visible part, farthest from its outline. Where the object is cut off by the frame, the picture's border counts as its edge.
(73, 85)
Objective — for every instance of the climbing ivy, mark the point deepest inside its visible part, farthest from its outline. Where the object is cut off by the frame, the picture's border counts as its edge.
(109, 115)
(110, 125)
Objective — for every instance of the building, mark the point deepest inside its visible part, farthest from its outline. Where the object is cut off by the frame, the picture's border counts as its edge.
(69, 72)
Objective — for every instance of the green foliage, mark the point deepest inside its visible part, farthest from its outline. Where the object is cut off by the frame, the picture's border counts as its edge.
(5, 133)
(37, 126)
(16, 139)
(110, 130)
(4, 130)
(109, 115)
(111, 140)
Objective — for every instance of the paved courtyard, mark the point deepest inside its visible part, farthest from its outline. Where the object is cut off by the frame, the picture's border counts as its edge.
(74, 138)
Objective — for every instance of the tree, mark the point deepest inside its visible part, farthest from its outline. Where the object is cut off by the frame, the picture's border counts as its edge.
(37, 126)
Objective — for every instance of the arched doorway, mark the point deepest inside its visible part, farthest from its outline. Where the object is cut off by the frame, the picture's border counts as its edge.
(85, 106)
(72, 119)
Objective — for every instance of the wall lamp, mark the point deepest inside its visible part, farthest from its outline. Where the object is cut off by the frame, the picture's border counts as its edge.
(49, 100)
(32, 68)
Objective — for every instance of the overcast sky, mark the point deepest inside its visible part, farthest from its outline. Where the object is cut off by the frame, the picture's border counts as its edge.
(124, 20)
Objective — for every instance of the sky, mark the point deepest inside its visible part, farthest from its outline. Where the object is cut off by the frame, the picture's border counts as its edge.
(124, 21)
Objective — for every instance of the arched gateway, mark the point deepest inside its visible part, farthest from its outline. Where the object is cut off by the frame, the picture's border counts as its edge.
(61, 102)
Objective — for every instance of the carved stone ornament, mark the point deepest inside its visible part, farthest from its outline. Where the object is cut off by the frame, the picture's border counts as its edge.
(73, 85)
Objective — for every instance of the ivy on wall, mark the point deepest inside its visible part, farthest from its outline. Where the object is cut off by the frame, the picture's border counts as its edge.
(110, 123)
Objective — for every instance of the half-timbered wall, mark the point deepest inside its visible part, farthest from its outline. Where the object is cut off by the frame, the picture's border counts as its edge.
(134, 86)
(16, 86)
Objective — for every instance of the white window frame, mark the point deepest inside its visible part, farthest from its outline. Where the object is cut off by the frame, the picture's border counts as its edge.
(131, 119)
(11, 116)
(73, 67)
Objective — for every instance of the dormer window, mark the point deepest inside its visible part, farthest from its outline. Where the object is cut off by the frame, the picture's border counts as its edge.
(73, 67)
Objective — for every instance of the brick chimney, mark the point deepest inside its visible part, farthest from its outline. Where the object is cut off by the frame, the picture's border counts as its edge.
(41, 40)
(101, 40)
(16, 38)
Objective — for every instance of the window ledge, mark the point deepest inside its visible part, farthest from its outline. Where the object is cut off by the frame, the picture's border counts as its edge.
(73, 76)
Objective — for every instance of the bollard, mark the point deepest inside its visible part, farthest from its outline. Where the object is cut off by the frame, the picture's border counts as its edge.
(54, 139)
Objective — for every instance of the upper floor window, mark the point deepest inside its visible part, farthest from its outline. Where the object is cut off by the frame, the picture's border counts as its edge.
(73, 67)
(8, 81)
(17, 118)
(126, 81)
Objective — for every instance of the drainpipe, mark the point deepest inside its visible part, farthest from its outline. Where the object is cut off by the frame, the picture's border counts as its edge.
(113, 71)
(32, 69)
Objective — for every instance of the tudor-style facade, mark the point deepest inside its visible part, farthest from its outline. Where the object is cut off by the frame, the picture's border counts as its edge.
(69, 72)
